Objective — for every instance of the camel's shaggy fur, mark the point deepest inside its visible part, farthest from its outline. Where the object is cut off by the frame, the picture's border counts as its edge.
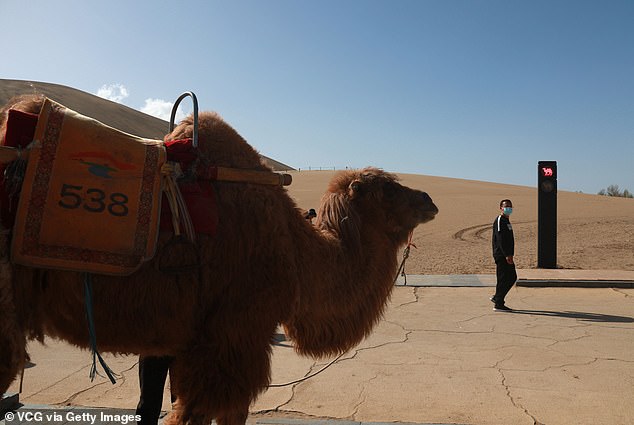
(327, 283)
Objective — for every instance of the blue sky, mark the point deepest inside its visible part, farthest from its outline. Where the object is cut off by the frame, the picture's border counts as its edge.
(478, 90)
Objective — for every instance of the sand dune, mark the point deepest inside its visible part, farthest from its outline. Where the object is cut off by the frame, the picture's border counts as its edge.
(594, 232)
(111, 113)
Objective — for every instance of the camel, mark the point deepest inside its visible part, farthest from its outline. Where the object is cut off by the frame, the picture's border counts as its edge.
(327, 283)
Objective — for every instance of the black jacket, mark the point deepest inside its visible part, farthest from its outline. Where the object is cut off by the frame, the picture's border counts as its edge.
(503, 241)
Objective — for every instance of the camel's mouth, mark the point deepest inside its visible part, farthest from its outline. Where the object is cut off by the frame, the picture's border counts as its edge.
(428, 215)
(426, 207)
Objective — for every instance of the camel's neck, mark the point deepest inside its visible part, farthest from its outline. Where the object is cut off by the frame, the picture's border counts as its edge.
(342, 293)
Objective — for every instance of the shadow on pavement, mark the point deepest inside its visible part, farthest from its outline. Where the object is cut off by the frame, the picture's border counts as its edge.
(587, 317)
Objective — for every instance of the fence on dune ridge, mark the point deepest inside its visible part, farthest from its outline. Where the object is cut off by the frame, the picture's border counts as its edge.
(328, 168)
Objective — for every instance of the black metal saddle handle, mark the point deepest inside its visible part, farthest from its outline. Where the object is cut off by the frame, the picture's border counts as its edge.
(173, 116)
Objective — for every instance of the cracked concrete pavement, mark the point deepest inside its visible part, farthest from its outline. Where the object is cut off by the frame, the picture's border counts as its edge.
(440, 355)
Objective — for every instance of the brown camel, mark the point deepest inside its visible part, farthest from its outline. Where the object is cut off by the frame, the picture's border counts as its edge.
(327, 283)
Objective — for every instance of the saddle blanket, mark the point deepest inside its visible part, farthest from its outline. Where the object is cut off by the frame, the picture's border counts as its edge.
(91, 196)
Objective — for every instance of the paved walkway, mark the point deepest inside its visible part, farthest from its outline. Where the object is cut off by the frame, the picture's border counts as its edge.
(441, 355)
(530, 277)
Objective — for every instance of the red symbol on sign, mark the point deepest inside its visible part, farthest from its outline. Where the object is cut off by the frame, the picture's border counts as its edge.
(548, 172)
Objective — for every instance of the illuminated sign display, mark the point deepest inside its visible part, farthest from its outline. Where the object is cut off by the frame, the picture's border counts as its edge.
(547, 170)
(547, 214)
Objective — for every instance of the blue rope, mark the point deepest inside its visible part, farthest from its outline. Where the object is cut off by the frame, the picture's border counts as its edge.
(92, 334)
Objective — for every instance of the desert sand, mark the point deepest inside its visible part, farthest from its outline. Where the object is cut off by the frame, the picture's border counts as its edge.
(593, 232)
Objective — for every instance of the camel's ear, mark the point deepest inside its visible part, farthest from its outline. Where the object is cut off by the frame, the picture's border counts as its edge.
(355, 189)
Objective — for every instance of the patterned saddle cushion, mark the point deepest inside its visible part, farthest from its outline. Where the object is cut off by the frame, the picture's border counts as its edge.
(91, 196)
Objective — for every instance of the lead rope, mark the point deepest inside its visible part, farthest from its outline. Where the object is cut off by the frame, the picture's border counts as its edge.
(92, 334)
(180, 213)
(297, 381)
(401, 268)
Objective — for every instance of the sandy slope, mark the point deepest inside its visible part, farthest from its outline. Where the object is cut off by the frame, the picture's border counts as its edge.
(113, 114)
(594, 232)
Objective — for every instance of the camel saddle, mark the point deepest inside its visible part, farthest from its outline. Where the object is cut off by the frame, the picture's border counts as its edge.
(91, 196)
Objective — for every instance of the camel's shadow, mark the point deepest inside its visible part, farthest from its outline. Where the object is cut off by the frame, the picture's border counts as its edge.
(586, 317)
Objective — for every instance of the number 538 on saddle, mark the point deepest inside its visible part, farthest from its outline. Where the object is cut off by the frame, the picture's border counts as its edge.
(91, 196)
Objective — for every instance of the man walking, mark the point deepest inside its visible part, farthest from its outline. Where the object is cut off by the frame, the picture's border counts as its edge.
(503, 252)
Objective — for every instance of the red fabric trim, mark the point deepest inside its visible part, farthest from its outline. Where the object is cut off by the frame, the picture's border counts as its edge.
(199, 195)
(181, 151)
(200, 199)
(20, 128)
(19, 134)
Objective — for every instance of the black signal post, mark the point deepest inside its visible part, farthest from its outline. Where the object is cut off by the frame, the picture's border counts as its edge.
(547, 214)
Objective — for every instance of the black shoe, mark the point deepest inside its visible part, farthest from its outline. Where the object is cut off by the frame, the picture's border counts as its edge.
(502, 307)
(492, 299)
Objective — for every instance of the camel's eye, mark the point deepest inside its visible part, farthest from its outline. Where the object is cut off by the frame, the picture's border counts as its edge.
(356, 188)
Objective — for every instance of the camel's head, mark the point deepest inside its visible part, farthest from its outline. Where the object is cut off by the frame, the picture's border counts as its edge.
(374, 197)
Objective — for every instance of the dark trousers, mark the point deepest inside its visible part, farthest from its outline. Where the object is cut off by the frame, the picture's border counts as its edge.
(152, 376)
(506, 277)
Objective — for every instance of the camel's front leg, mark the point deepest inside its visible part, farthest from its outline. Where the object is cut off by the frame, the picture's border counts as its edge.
(237, 416)
(220, 376)
(178, 417)
(12, 339)
(12, 354)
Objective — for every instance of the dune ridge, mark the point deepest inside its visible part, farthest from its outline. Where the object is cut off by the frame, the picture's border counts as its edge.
(594, 232)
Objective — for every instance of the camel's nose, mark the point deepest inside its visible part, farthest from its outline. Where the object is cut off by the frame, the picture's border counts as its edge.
(424, 201)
